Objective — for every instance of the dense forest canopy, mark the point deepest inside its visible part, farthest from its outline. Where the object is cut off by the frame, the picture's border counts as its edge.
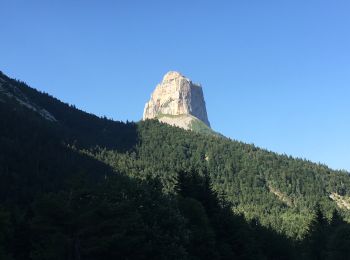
(84, 187)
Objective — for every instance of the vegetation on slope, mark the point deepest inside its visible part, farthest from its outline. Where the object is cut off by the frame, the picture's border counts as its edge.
(243, 173)
(90, 188)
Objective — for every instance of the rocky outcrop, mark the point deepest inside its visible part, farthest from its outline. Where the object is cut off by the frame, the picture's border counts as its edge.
(343, 202)
(10, 92)
(177, 101)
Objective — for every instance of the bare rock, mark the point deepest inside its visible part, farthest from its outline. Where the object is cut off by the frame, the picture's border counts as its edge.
(177, 101)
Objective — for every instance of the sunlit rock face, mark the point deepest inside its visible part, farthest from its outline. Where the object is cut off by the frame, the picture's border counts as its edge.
(177, 101)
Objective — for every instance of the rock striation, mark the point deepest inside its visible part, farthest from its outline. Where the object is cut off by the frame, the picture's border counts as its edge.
(177, 101)
(9, 91)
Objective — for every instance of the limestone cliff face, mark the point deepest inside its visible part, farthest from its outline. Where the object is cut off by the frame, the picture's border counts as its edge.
(177, 101)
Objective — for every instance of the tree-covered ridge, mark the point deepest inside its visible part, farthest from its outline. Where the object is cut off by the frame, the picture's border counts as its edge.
(85, 187)
(57, 203)
(280, 191)
(75, 126)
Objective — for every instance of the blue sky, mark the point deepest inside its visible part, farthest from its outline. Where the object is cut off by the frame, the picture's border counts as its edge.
(274, 73)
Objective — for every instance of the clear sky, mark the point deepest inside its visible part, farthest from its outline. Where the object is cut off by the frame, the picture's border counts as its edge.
(274, 73)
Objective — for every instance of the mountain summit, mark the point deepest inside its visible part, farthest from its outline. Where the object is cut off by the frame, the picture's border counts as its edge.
(178, 101)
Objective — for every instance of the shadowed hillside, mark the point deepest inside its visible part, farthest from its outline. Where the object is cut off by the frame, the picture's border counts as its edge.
(76, 186)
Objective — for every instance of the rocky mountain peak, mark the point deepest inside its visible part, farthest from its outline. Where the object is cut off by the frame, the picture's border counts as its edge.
(171, 75)
(177, 101)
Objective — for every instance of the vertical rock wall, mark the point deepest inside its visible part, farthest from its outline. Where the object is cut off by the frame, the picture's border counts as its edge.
(176, 95)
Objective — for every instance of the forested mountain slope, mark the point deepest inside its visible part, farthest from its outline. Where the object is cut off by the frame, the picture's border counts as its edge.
(76, 186)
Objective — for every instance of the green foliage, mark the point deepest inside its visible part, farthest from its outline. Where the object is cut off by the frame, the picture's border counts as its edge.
(90, 188)
(338, 245)
(199, 127)
(249, 177)
(5, 234)
(108, 221)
